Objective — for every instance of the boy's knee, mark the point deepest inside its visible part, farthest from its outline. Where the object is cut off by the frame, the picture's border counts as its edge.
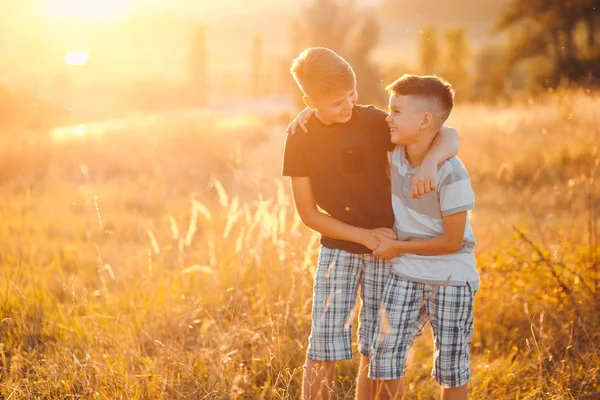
(456, 393)
(389, 390)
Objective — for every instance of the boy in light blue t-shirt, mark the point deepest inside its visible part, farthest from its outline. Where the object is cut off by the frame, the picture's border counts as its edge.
(434, 276)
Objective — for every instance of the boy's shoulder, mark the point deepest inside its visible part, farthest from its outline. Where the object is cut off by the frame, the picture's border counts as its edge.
(452, 170)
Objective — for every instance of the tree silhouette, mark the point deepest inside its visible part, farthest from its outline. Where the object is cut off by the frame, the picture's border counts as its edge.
(369, 84)
(339, 26)
(456, 60)
(327, 23)
(547, 28)
(255, 67)
(491, 74)
(429, 51)
(197, 66)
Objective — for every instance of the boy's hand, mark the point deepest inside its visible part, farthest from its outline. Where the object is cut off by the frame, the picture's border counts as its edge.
(370, 240)
(300, 121)
(386, 248)
(387, 232)
(424, 180)
(371, 237)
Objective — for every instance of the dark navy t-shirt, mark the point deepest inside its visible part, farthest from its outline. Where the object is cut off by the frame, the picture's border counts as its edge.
(348, 169)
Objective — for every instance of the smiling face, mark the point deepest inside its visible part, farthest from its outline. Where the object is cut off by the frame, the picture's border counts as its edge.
(335, 107)
(405, 119)
(418, 107)
(327, 82)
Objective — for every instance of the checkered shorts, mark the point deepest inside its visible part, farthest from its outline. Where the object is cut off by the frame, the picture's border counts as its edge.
(405, 310)
(338, 276)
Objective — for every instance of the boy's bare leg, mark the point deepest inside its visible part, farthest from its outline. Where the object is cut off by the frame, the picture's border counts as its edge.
(459, 393)
(318, 380)
(364, 385)
(389, 390)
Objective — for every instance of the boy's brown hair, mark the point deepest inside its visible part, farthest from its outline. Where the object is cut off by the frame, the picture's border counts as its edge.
(429, 87)
(320, 71)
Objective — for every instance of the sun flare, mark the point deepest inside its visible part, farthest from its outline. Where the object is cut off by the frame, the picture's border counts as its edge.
(78, 57)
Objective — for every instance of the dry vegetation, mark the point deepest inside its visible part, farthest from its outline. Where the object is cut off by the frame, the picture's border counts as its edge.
(130, 268)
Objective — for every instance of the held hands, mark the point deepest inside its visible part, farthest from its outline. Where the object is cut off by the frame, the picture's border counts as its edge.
(424, 180)
(300, 121)
(372, 237)
(387, 247)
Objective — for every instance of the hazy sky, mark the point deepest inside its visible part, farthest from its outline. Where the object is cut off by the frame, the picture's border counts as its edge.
(128, 40)
(35, 35)
(187, 8)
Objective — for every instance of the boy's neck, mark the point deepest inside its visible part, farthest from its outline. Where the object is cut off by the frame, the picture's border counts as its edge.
(318, 115)
(416, 152)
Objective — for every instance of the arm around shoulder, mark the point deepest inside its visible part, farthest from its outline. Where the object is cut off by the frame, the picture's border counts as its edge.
(445, 145)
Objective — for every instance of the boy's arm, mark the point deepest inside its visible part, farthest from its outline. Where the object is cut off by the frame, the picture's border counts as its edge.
(448, 242)
(300, 121)
(444, 146)
(306, 206)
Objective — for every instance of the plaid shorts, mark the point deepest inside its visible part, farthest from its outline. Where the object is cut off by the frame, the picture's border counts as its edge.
(338, 276)
(407, 307)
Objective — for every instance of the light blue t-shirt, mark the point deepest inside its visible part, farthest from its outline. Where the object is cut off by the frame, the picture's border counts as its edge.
(418, 219)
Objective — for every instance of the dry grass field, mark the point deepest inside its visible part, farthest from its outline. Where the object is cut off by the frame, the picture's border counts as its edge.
(160, 263)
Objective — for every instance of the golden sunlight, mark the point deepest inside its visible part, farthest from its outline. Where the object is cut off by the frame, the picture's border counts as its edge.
(78, 57)
(86, 10)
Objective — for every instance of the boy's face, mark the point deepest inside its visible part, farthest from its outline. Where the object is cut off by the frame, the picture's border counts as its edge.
(405, 120)
(334, 108)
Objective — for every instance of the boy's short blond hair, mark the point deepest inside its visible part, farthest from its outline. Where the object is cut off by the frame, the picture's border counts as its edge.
(320, 71)
(427, 87)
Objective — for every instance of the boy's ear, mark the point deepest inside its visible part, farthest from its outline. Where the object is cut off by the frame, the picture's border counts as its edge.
(427, 120)
(309, 103)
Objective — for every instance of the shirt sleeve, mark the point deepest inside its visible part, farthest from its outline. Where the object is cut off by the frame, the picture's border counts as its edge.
(295, 155)
(455, 192)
